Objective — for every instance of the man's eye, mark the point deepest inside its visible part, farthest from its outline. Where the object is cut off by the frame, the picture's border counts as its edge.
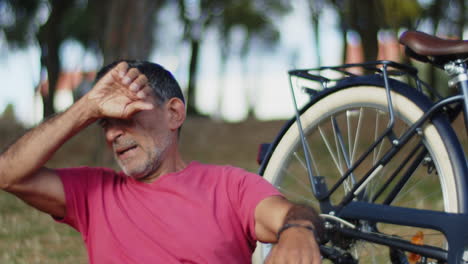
(103, 123)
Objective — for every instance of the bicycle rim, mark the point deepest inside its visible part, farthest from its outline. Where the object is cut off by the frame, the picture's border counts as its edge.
(356, 116)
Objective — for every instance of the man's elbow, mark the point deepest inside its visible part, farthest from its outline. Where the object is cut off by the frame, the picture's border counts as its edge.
(6, 184)
(7, 181)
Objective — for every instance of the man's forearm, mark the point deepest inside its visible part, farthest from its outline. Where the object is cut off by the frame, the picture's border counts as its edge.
(29, 153)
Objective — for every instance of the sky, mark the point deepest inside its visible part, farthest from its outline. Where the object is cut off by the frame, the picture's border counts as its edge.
(261, 81)
(19, 74)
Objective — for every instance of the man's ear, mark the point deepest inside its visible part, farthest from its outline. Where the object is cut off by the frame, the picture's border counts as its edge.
(176, 111)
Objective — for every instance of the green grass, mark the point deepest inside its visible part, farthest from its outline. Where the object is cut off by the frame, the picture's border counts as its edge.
(29, 236)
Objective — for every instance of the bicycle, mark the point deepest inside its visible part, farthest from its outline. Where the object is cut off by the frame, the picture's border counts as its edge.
(378, 159)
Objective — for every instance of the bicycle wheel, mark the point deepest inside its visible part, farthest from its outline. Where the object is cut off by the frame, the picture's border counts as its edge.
(356, 116)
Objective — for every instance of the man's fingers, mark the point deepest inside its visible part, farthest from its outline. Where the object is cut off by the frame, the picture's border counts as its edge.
(137, 107)
(131, 75)
(138, 83)
(142, 105)
(144, 92)
(141, 94)
(121, 69)
(116, 73)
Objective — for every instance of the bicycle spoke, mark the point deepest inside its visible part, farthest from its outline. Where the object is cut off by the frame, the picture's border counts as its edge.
(349, 115)
(303, 163)
(379, 152)
(349, 182)
(324, 138)
(370, 190)
(411, 189)
(302, 184)
(351, 148)
(369, 248)
(295, 195)
(432, 194)
(337, 144)
(315, 168)
(358, 133)
(339, 137)
(346, 185)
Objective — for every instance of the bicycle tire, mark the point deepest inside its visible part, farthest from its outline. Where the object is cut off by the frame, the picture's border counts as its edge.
(368, 95)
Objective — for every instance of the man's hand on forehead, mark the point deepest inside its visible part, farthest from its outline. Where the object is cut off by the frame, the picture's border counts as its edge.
(120, 93)
(132, 77)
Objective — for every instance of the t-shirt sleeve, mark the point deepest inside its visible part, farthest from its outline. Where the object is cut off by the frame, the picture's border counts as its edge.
(247, 190)
(77, 182)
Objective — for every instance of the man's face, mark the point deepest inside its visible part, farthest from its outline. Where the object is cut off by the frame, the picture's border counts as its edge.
(140, 143)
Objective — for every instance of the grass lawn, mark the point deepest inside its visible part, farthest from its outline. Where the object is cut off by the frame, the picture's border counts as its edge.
(29, 236)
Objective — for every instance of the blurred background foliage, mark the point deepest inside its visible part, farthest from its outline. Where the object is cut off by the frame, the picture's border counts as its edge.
(130, 29)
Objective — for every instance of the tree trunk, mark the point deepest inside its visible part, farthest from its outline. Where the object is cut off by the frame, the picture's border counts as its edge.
(50, 37)
(127, 29)
(315, 10)
(436, 15)
(315, 25)
(461, 21)
(369, 44)
(365, 19)
(250, 97)
(52, 63)
(344, 37)
(340, 8)
(192, 78)
(218, 115)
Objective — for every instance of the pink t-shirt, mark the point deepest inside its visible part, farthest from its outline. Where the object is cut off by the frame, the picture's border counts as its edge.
(202, 214)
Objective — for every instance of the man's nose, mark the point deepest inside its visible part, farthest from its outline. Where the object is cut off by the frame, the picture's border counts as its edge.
(113, 131)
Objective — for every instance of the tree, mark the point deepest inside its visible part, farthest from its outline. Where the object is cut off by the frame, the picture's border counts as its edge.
(256, 20)
(19, 21)
(21, 30)
(116, 29)
(124, 28)
(199, 15)
(364, 17)
(367, 17)
(50, 36)
(315, 10)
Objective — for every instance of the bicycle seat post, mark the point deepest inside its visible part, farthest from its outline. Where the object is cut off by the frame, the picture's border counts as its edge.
(458, 72)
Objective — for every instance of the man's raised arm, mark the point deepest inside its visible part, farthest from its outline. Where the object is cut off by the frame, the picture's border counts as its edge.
(119, 94)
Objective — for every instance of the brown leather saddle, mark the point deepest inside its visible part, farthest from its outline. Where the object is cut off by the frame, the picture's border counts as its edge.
(428, 48)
